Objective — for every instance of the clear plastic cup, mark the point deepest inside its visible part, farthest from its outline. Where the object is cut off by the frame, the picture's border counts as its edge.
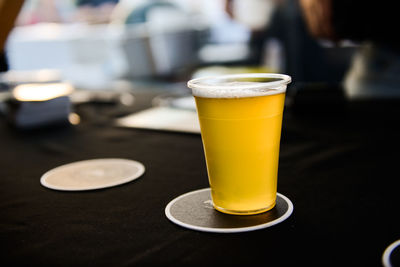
(240, 119)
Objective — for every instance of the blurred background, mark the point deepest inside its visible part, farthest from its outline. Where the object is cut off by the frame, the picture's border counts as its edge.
(106, 45)
(92, 43)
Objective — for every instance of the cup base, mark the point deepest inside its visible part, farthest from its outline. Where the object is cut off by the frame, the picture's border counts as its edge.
(245, 212)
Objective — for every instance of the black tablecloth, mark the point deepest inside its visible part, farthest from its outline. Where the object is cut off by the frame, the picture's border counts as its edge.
(340, 170)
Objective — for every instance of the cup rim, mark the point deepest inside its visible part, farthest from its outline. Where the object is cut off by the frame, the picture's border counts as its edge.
(198, 83)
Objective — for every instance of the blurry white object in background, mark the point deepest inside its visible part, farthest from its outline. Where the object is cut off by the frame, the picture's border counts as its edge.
(224, 53)
(229, 31)
(161, 19)
(274, 57)
(173, 44)
(153, 53)
(86, 55)
(256, 14)
(187, 103)
(160, 40)
(94, 56)
(163, 118)
(39, 46)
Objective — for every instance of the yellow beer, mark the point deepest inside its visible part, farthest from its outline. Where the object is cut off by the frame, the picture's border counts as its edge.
(241, 137)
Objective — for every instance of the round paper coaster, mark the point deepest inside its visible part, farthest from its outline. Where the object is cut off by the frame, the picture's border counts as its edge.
(391, 255)
(92, 174)
(194, 210)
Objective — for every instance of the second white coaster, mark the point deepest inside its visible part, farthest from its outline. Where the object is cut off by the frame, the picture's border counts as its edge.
(92, 174)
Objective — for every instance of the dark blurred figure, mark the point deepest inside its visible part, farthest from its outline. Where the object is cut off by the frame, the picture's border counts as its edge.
(9, 11)
(375, 69)
(358, 20)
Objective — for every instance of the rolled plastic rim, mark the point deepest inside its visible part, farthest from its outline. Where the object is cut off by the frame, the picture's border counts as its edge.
(199, 83)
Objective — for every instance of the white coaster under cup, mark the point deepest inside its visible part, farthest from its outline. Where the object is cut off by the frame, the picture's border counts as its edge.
(92, 174)
(194, 210)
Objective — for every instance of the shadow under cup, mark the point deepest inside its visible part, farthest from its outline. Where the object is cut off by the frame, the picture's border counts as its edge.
(240, 119)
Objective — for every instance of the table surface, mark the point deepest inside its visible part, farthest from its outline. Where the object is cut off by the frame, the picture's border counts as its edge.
(338, 168)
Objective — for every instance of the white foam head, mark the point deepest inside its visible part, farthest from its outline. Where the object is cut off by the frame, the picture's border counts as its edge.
(239, 85)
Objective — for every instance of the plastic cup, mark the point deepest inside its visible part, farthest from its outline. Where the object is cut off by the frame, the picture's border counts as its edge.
(240, 120)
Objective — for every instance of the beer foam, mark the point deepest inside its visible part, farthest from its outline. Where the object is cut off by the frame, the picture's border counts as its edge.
(217, 88)
(230, 91)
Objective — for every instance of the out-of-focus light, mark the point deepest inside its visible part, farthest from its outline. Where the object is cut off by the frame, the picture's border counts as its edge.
(74, 118)
(41, 92)
(127, 99)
